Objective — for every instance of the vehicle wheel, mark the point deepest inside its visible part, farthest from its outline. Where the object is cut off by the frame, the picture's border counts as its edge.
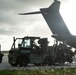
(22, 61)
(37, 64)
(48, 61)
(70, 60)
(14, 65)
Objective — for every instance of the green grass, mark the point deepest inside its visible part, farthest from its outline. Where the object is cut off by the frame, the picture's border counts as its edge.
(71, 71)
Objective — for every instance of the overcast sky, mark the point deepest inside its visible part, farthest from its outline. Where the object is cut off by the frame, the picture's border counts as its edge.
(12, 24)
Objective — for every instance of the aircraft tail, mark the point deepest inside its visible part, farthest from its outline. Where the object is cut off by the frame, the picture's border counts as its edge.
(54, 19)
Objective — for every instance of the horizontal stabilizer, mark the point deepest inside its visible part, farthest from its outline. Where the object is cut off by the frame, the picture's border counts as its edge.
(38, 12)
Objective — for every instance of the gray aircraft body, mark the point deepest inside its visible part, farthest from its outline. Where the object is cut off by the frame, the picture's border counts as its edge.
(56, 23)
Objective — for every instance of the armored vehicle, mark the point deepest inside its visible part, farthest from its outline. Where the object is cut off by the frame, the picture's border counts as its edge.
(35, 50)
(61, 53)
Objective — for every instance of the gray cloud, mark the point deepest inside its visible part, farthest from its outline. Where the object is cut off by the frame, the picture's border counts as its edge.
(10, 21)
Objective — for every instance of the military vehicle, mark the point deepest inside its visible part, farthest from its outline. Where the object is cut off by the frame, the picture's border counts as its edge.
(35, 50)
(29, 50)
(61, 52)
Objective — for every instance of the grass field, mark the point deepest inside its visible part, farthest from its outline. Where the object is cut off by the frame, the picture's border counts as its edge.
(71, 71)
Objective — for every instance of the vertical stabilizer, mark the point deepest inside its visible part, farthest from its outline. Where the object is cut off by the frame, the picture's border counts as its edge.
(54, 19)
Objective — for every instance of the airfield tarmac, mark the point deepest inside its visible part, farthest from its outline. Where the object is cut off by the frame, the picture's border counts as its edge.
(5, 65)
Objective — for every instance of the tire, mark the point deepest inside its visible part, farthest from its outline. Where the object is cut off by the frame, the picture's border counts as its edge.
(48, 61)
(37, 64)
(11, 62)
(70, 60)
(14, 65)
(22, 61)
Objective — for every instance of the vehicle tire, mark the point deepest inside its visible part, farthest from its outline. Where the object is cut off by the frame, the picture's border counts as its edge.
(37, 64)
(22, 61)
(70, 60)
(14, 65)
(48, 61)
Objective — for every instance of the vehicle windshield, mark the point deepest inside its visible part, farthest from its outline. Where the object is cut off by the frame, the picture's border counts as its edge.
(26, 43)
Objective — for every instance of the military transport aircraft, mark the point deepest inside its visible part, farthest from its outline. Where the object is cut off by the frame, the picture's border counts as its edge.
(56, 23)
